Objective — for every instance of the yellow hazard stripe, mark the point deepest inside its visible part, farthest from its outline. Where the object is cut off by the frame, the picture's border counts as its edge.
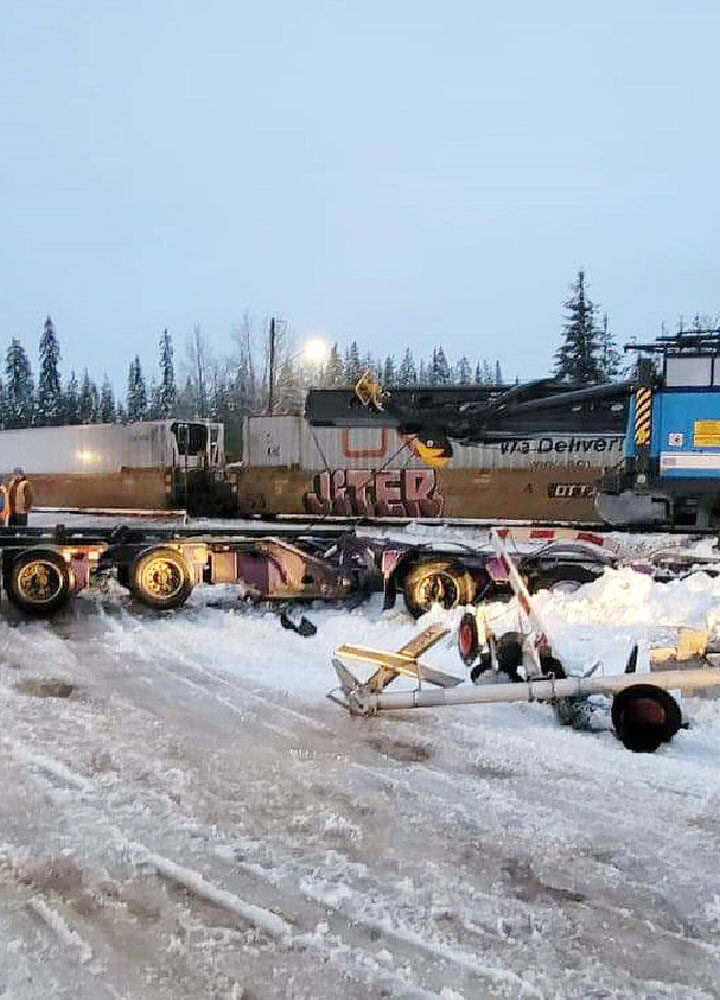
(643, 411)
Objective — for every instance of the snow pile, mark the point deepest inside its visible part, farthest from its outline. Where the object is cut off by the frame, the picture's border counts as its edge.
(624, 597)
(604, 619)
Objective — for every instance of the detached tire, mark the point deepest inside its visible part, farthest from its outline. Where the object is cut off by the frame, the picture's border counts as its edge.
(442, 582)
(161, 579)
(565, 578)
(39, 581)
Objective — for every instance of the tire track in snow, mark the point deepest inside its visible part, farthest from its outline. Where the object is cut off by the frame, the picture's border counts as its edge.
(59, 926)
(562, 804)
(262, 919)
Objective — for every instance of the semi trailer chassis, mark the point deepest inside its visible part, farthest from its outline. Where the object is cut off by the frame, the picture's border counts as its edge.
(42, 569)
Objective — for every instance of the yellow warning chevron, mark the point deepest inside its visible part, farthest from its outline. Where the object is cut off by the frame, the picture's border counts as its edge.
(643, 413)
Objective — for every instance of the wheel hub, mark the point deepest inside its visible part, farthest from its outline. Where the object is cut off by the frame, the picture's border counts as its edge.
(439, 588)
(162, 578)
(39, 582)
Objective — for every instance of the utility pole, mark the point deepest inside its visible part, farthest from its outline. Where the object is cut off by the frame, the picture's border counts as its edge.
(271, 367)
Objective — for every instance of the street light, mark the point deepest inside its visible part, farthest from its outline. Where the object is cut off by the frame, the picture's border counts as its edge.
(316, 351)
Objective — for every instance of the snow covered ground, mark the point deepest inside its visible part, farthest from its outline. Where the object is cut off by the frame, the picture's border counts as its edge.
(184, 815)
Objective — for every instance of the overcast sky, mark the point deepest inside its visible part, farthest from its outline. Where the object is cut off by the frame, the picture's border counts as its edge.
(397, 172)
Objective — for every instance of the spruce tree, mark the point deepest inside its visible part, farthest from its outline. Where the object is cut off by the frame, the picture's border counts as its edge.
(440, 371)
(406, 372)
(578, 358)
(49, 394)
(186, 407)
(70, 400)
(388, 372)
(85, 400)
(19, 396)
(610, 358)
(287, 389)
(353, 368)
(106, 412)
(498, 374)
(334, 369)
(487, 378)
(478, 374)
(136, 393)
(464, 371)
(166, 396)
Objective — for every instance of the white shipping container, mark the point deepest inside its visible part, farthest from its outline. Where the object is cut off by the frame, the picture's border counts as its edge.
(292, 442)
(95, 449)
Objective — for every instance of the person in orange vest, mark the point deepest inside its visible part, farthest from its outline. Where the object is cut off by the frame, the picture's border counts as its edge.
(20, 498)
(4, 505)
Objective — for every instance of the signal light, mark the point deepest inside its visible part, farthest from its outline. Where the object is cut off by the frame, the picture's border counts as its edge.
(468, 643)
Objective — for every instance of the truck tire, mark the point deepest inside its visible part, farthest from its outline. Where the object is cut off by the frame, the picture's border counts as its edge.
(441, 581)
(161, 578)
(564, 578)
(39, 581)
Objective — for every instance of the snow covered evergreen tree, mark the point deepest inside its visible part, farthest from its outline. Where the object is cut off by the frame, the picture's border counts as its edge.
(464, 372)
(136, 392)
(106, 411)
(610, 358)
(440, 369)
(498, 374)
(70, 400)
(423, 378)
(407, 374)
(186, 407)
(578, 357)
(166, 395)
(288, 391)
(19, 396)
(388, 372)
(49, 409)
(334, 369)
(87, 400)
(353, 367)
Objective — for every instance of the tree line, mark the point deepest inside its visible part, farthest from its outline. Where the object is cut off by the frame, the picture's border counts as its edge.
(221, 389)
(229, 388)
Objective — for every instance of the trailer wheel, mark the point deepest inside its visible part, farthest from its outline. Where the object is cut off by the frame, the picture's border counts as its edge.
(565, 578)
(644, 716)
(440, 582)
(161, 578)
(39, 581)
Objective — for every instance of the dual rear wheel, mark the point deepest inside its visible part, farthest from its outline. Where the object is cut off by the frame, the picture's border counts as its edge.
(160, 578)
(40, 581)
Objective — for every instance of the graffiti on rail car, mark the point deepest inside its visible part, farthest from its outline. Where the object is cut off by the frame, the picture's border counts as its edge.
(368, 493)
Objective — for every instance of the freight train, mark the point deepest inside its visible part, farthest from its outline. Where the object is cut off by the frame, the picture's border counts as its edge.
(292, 468)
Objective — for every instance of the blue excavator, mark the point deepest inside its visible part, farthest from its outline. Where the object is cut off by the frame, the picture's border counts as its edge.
(669, 411)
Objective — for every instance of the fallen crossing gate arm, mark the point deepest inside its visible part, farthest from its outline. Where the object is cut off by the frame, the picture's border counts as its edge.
(361, 701)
